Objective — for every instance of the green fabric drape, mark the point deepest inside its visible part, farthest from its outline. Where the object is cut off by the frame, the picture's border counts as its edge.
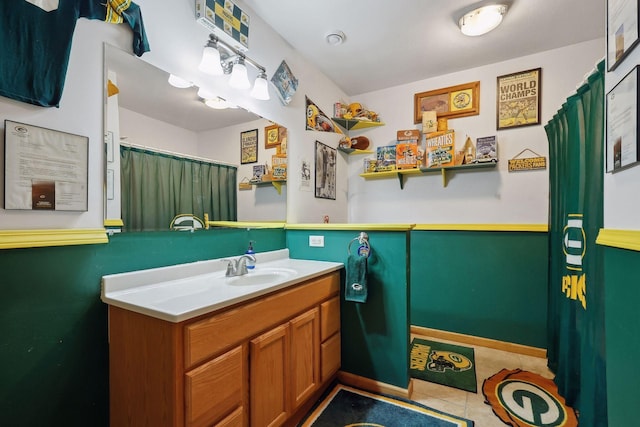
(156, 187)
(576, 331)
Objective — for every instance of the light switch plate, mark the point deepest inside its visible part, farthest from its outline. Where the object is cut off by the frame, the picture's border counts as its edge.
(316, 241)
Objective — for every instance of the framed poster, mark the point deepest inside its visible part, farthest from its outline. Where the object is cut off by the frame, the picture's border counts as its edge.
(325, 171)
(622, 30)
(622, 123)
(271, 136)
(451, 102)
(518, 99)
(249, 146)
(45, 169)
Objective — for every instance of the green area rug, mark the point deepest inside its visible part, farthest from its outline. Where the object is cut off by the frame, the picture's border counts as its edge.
(446, 364)
(347, 406)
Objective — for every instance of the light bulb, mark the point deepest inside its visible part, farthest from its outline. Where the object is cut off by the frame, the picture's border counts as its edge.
(239, 78)
(217, 103)
(179, 82)
(261, 88)
(210, 63)
(206, 93)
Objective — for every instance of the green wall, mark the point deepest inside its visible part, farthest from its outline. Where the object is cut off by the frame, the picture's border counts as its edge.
(481, 283)
(53, 326)
(622, 323)
(375, 335)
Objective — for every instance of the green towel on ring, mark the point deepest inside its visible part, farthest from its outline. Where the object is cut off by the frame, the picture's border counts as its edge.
(356, 283)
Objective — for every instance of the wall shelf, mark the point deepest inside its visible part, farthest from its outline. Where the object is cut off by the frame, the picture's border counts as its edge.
(401, 174)
(354, 151)
(351, 124)
(277, 183)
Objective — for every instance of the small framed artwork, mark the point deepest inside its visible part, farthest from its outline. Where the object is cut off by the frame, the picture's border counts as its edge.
(249, 146)
(518, 99)
(622, 30)
(271, 136)
(325, 171)
(622, 144)
(450, 102)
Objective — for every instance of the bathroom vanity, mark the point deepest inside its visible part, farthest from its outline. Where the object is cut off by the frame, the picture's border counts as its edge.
(191, 347)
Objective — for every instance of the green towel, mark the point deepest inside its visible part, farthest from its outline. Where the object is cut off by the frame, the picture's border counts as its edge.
(356, 284)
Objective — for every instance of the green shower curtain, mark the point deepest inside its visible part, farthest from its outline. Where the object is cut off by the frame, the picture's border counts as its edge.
(576, 351)
(156, 187)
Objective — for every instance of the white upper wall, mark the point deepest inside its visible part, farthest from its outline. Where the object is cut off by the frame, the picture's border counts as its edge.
(475, 196)
(621, 189)
(176, 41)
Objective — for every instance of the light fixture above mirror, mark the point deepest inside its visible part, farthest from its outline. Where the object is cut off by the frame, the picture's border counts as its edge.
(218, 58)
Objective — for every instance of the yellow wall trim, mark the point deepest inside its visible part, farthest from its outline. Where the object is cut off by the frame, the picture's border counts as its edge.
(355, 227)
(483, 342)
(245, 224)
(375, 386)
(13, 239)
(536, 228)
(623, 239)
(113, 223)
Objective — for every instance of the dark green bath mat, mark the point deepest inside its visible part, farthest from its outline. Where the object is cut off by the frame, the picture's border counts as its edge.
(446, 364)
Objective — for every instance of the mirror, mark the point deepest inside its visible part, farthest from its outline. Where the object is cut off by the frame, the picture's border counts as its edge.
(143, 110)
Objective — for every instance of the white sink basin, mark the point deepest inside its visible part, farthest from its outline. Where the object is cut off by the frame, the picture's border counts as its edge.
(181, 292)
(261, 277)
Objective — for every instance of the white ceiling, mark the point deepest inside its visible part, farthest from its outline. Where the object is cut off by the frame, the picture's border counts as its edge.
(389, 43)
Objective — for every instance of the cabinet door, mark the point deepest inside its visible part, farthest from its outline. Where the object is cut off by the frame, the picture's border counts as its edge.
(305, 356)
(330, 352)
(215, 388)
(269, 377)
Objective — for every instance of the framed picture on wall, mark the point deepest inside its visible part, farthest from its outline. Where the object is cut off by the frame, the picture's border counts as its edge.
(622, 30)
(325, 171)
(622, 144)
(249, 146)
(44, 169)
(271, 136)
(518, 99)
(450, 102)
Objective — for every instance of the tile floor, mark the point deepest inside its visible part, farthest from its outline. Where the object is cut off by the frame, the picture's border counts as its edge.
(471, 405)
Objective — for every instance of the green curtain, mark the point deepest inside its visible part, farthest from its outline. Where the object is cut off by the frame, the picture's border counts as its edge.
(576, 331)
(156, 187)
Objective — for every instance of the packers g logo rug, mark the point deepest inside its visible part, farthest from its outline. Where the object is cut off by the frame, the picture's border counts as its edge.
(524, 399)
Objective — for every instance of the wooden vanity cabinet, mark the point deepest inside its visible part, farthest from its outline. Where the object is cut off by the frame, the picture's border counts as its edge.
(253, 364)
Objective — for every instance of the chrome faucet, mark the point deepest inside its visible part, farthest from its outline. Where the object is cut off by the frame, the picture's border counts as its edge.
(238, 267)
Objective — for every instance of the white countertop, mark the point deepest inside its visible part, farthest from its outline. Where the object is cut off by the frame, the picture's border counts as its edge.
(181, 292)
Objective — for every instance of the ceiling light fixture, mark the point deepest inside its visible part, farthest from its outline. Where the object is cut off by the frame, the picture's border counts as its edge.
(217, 103)
(482, 20)
(335, 38)
(219, 58)
(179, 82)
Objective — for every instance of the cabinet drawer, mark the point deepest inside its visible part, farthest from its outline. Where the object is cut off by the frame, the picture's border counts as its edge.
(215, 388)
(330, 355)
(329, 318)
(235, 419)
(208, 337)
